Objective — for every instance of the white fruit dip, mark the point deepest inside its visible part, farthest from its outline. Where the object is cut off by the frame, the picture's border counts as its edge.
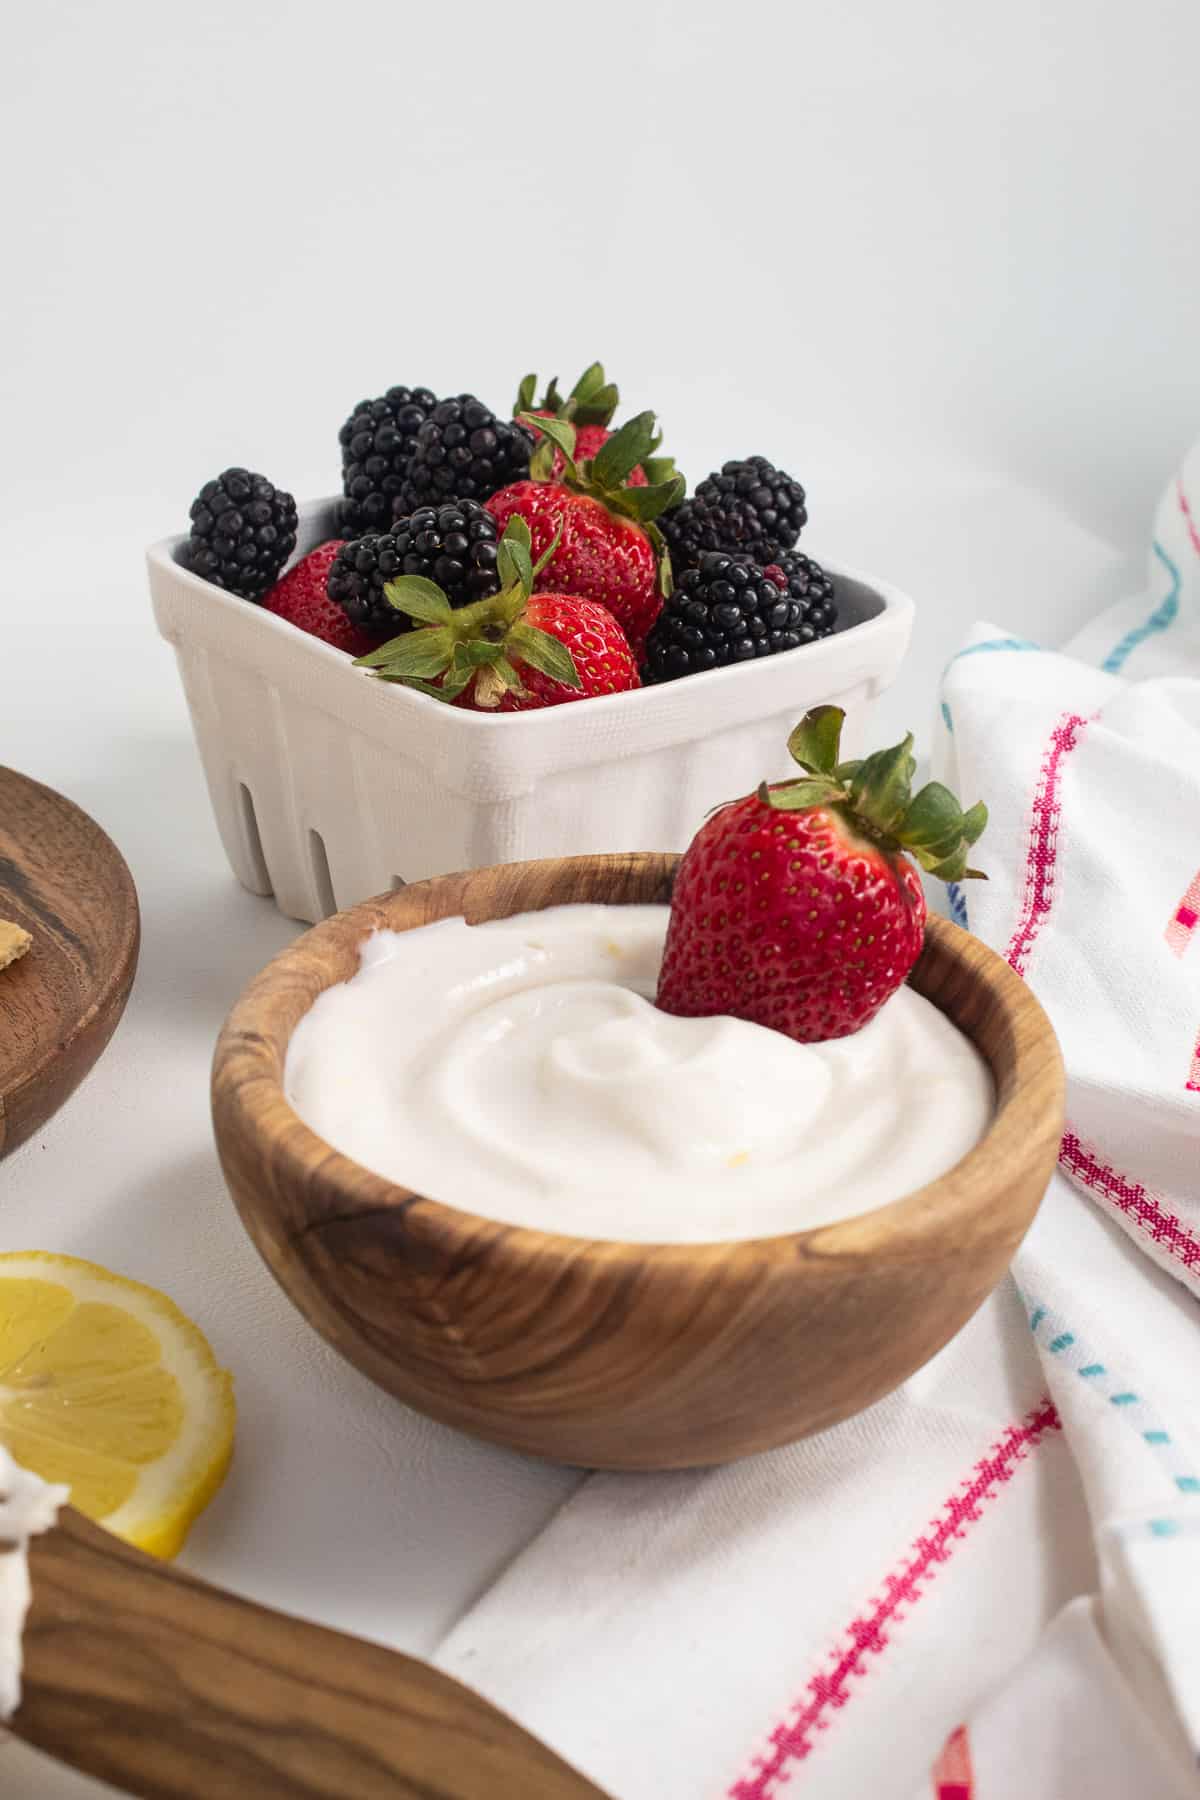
(520, 1070)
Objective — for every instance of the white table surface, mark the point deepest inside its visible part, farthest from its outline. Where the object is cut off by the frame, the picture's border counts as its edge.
(907, 251)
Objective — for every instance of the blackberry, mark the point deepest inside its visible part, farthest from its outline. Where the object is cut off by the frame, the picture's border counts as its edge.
(453, 544)
(748, 507)
(729, 610)
(377, 445)
(243, 531)
(465, 452)
(807, 582)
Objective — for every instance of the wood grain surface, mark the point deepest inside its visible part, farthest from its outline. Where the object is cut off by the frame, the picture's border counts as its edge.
(608, 1354)
(65, 881)
(173, 1690)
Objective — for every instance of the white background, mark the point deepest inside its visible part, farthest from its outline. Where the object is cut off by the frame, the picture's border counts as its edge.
(941, 260)
(848, 234)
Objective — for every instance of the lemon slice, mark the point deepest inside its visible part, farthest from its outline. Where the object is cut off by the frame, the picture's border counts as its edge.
(106, 1386)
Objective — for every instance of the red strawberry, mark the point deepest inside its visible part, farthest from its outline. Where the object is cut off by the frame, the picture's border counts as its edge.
(597, 646)
(300, 598)
(511, 652)
(796, 907)
(589, 407)
(608, 545)
(599, 555)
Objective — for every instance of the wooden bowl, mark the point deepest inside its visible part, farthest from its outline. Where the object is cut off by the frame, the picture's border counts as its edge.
(617, 1355)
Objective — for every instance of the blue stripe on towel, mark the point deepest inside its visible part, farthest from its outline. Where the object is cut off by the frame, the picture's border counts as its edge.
(1162, 616)
(988, 644)
(1067, 1348)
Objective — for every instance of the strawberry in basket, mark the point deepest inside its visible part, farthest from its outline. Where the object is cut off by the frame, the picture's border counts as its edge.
(606, 544)
(512, 651)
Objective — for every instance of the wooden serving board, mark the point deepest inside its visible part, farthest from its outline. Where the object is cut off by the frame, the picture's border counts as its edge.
(66, 882)
(173, 1690)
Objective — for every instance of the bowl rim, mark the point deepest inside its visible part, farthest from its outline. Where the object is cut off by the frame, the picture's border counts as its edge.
(896, 614)
(250, 1104)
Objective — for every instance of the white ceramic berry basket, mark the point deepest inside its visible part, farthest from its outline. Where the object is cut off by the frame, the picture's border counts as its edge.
(330, 787)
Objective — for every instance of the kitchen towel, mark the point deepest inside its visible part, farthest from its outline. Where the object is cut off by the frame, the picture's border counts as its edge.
(988, 1584)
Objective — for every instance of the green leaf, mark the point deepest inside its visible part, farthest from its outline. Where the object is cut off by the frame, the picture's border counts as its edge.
(419, 598)
(882, 785)
(461, 667)
(513, 556)
(974, 823)
(592, 401)
(666, 574)
(950, 868)
(646, 503)
(426, 651)
(846, 771)
(513, 565)
(445, 691)
(589, 382)
(560, 432)
(617, 459)
(933, 816)
(525, 395)
(947, 864)
(939, 834)
(548, 552)
(946, 868)
(659, 470)
(541, 463)
(383, 653)
(508, 566)
(795, 796)
(814, 743)
(477, 655)
(545, 653)
(600, 408)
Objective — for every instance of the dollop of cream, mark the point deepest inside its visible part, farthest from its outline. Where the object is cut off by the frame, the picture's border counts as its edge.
(520, 1070)
(28, 1506)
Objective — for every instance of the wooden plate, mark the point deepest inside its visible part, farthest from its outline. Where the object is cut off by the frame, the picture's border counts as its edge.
(66, 882)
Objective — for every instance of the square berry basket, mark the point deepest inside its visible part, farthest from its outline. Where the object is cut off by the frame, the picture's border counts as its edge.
(329, 787)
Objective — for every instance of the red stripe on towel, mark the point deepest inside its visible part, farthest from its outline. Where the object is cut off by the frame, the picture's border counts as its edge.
(1186, 510)
(1041, 856)
(1181, 927)
(795, 1738)
(953, 1778)
(1185, 918)
(1139, 1205)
